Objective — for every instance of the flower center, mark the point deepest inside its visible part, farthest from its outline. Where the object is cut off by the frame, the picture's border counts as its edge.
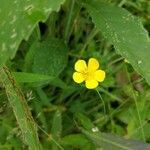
(88, 75)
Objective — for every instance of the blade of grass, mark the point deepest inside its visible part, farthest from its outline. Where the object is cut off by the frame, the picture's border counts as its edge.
(136, 104)
(66, 36)
(20, 109)
(50, 138)
(89, 38)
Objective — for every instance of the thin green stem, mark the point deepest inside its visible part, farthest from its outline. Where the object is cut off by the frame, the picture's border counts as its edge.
(139, 128)
(89, 38)
(122, 3)
(38, 32)
(66, 36)
(101, 100)
(139, 116)
(110, 94)
(50, 137)
(136, 105)
(116, 61)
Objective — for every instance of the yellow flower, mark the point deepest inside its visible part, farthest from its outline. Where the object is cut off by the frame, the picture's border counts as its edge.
(89, 73)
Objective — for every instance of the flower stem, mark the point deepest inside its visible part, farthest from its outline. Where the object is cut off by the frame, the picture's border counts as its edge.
(101, 100)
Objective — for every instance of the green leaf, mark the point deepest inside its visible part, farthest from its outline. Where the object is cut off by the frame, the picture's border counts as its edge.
(57, 124)
(56, 128)
(48, 57)
(21, 110)
(18, 18)
(84, 121)
(23, 77)
(113, 142)
(31, 77)
(125, 32)
(74, 139)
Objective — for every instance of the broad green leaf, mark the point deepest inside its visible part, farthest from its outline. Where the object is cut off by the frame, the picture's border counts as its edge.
(48, 57)
(113, 142)
(18, 18)
(31, 77)
(78, 141)
(124, 31)
(21, 110)
(23, 77)
(84, 121)
(74, 139)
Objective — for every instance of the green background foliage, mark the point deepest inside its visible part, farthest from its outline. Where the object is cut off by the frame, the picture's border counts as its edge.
(18, 19)
(125, 32)
(40, 41)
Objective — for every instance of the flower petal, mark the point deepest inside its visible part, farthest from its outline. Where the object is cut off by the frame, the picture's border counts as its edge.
(91, 84)
(93, 64)
(80, 66)
(78, 77)
(99, 75)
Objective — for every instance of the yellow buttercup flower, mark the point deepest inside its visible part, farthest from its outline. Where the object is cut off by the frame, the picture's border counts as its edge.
(89, 73)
